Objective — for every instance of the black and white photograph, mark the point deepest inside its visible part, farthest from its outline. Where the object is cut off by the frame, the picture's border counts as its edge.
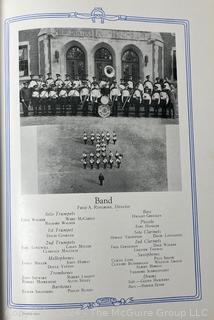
(99, 111)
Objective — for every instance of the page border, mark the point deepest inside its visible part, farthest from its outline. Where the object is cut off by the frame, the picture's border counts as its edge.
(97, 15)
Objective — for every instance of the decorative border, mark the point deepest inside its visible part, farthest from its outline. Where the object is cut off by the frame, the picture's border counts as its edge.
(98, 15)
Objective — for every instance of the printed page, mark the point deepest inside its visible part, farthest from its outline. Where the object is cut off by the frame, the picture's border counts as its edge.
(108, 161)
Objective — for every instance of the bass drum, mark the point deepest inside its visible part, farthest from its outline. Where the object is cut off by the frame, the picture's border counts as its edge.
(104, 100)
(104, 111)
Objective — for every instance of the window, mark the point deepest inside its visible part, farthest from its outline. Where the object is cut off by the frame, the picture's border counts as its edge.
(23, 61)
(130, 65)
(75, 61)
(103, 58)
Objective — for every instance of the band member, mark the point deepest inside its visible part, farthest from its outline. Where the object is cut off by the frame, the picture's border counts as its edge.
(67, 82)
(126, 100)
(103, 154)
(117, 155)
(91, 155)
(84, 162)
(122, 85)
(164, 100)
(139, 86)
(85, 137)
(87, 81)
(44, 100)
(53, 98)
(101, 178)
(118, 162)
(40, 81)
(91, 161)
(94, 83)
(108, 137)
(110, 155)
(94, 97)
(25, 97)
(103, 149)
(97, 154)
(166, 84)
(146, 101)
(58, 82)
(114, 137)
(105, 162)
(84, 98)
(98, 163)
(156, 100)
(157, 85)
(49, 80)
(111, 162)
(130, 83)
(84, 155)
(73, 99)
(92, 138)
(98, 148)
(77, 83)
(35, 100)
(172, 101)
(148, 84)
(102, 82)
(114, 97)
(137, 100)
(63, 100)
(105, 90)
(32, 82)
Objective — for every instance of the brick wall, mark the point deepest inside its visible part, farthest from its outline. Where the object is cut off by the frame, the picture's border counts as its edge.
(31, 37)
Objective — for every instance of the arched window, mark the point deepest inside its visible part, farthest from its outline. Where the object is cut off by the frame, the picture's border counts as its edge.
(102, 58)
(75, 62)
(130, 65)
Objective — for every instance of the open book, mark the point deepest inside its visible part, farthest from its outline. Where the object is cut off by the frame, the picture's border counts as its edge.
(107, 159)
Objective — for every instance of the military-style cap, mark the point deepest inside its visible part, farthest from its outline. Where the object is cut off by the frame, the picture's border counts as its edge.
(67, 75)
(58, 75)
(49, 73)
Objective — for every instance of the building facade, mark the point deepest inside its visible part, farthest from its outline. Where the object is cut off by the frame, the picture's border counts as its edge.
(86, 52)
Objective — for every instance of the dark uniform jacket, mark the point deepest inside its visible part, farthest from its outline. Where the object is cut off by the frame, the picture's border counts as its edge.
(25, 93)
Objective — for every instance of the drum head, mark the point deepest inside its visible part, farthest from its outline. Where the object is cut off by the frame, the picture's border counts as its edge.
(104, 111)
(104, 100)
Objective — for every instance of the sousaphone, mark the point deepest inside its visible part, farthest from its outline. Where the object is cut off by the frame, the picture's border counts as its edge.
(104, 110)
(109, 71)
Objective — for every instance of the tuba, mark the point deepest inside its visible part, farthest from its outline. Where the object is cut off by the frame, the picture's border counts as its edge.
(109, 71)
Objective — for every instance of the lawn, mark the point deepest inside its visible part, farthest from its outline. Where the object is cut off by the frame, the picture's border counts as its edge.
(60, 146)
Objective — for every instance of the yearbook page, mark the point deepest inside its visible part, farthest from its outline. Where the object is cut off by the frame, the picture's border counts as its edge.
(107, 160)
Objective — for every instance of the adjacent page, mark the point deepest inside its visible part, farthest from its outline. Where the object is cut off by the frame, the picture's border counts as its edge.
(108, 160)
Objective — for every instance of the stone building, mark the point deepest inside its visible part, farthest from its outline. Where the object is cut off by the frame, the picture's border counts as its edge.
(87, 51)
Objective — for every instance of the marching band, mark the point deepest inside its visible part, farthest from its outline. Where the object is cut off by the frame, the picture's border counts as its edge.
(57, 96)
(102, 157)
